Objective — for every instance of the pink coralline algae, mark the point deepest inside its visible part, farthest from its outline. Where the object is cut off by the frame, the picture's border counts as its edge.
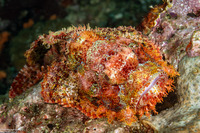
(114, 73)
(172, 26)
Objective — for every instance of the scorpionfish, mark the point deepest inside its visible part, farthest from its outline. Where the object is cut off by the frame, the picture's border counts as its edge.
(116, 73)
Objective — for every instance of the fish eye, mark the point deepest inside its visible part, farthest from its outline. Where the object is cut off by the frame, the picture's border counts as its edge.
(106, 77)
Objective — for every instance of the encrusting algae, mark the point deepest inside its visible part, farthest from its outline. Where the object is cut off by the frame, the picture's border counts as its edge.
(115, 73)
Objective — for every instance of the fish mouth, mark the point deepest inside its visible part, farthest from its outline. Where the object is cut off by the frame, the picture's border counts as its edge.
(152, 85)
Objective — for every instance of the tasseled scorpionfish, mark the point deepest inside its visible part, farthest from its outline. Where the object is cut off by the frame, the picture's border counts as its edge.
(116, 73)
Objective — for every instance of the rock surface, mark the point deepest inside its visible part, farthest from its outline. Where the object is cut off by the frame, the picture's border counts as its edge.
(185, 115)
(174, 28)
(29, 113)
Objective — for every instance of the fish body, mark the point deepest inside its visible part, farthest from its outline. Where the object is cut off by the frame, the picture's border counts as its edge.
(116, 73)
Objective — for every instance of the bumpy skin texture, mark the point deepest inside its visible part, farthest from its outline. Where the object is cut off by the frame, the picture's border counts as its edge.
(104, 72)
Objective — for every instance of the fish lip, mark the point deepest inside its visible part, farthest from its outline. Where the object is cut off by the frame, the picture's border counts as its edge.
(148, 88)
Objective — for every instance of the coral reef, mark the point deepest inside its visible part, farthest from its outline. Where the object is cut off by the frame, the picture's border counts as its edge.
(80, 69)
(176, 31)
(173, 27)
(114, 73)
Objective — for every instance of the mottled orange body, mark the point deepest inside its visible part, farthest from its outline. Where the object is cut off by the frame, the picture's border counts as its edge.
(114, 73)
